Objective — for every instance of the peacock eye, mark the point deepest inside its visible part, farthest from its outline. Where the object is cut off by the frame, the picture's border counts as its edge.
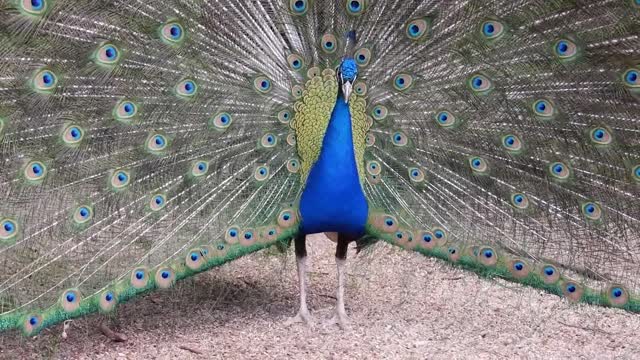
(635, 173)
(492, 29)
(125, 111)
(600, 136)
(83, 214)
(299, 7)
(120, 179)
(33, 7)
(478, 165)
(520, 201)
(295, 62)
(416, 175)
(186, 88)
(35, 171)
(44, 81)
(107, 54)
(293, 166)
(373, 167)
(379, 112)
(362, 56)
(565, 50)
(402, 82)
(480, 84)
(544, 109)
(72, 135)
(261, 173)
(262, 84)
(172, 32)
(221, 121)
(418, 29)
(592, 211)
(284, 116)
(511, 143)
(199, 168)
(631, 78)
(268, 140)
(356, 7)
(156, 143)
(329, 43)
(8, 229)
(559, 170)
(445, 119)
(399, 138)
(157, 202)
(360, 87)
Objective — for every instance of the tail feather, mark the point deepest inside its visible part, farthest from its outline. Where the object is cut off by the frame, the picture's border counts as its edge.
(143, 142)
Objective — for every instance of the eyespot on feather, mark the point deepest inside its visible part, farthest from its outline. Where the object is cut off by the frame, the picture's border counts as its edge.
(72, 135)
(139, 278)
(232, 235)
(35, 171)
(550, 274)
(287, 218)
(559, 171)
(328, 43)
(418, 29)
(186, 89)
(572, 290)
(165, 277)
(617, 295)
(261, 173)
(83, 214)
(362, 56)
(34, 8)
(70, 300)
(125, 111)
(221, 121)
(199, 168)
(519, 268)
(44, 81)
(8, 229)
(157, 202)
(172, 32)
(248, 238)
(107, 54)
(299, 7)
(480, 84)
(487, 256)
(356, 7)
(108, 300)
(194, 259)
(402, 82)
(120, 179)
(492, 30)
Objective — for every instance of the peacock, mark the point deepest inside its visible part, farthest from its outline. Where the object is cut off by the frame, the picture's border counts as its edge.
(143, 142)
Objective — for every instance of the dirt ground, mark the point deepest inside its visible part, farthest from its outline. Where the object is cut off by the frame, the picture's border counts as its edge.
(402, 306)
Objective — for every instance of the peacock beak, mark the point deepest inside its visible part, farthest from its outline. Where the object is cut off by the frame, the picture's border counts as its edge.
(346, 90)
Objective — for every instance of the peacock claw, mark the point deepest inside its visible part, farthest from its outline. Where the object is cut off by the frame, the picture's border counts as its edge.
(341, 319)
(302, 317)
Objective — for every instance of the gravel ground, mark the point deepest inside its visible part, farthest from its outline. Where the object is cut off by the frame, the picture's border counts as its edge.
(401, 305)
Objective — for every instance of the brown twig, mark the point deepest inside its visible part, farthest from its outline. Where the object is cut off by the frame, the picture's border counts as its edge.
(115, 336)
(453, 278)
(585, 328)
(190, 349)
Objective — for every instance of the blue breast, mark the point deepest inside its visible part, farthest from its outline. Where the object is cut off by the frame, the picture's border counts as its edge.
(333, 199)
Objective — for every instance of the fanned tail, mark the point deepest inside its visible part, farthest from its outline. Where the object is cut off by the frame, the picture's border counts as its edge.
(143, 142)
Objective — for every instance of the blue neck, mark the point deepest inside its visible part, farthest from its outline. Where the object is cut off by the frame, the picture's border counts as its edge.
(333, 199)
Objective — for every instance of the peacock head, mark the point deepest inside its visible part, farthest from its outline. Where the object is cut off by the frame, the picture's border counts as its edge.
(347, 74)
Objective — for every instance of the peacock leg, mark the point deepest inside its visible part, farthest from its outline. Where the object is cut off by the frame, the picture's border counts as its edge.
(340, 316)
(303, 315)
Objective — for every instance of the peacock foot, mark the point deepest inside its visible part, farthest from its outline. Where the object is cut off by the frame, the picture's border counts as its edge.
(340, 318)
(302, 317)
